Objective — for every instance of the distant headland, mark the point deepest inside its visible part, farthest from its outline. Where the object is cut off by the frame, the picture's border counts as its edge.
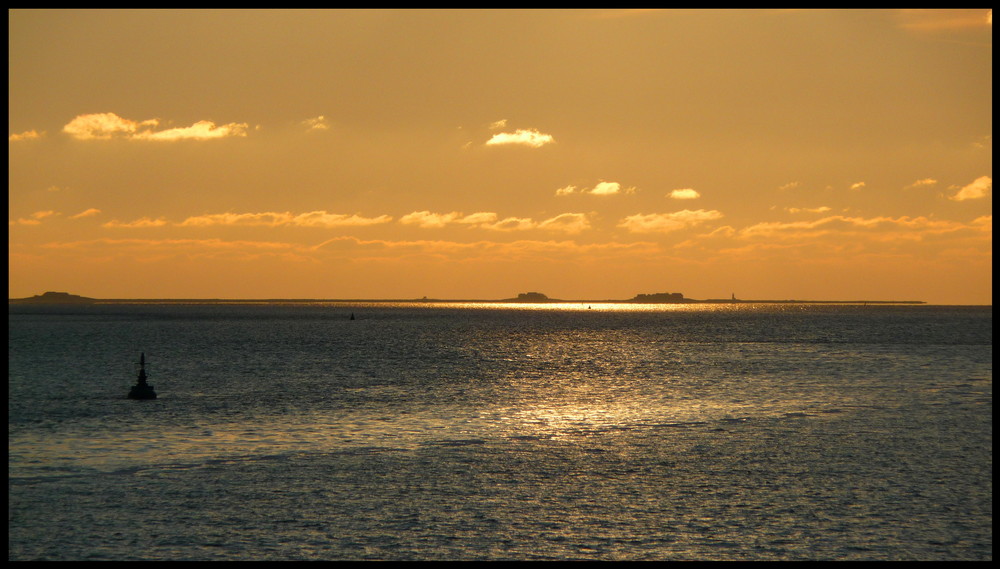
(524, 297)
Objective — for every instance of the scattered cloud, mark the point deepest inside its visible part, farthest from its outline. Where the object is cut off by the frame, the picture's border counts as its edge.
(201, 130)
(571, 223)
(667, 222)
(436, 220)
(26, 135)
(192, 248)
(610, 189)
(526, 137)
(317, 123)
(684, 194)
(86, 213)
(34, 219)
(979, 188)
(484, 251)
(883, 227)
(479, 218)
(820, 209)
(498, 124)
(321, 219)
(857, 185)
(923, 182)
(143, 222)
(102, 126)
(788, 186)
(105, 126)
(840, 238)
(324, 219)
(276, 219)
(511, 224)
(254, 219)
(601, 189)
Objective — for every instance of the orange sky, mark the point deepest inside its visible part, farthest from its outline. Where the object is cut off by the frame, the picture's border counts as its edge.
(594, 154)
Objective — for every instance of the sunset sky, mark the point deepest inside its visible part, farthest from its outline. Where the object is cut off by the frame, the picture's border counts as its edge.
(585, 154)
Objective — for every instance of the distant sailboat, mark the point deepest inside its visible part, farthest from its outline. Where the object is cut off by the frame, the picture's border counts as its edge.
(142, 390)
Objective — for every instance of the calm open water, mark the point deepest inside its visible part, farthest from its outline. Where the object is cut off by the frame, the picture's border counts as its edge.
(476, 432)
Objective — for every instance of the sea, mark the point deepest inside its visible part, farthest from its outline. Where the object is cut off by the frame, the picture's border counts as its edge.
(487, 431)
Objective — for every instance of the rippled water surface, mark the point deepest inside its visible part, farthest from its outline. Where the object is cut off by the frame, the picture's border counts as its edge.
(478, 431)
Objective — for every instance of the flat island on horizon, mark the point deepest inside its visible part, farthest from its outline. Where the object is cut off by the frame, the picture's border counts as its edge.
(524, 297)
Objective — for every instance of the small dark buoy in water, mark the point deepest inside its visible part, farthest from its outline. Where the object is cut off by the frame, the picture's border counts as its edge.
(352, 316)
(142, 390)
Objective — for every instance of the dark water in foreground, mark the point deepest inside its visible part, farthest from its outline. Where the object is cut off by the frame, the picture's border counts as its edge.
(458, 432)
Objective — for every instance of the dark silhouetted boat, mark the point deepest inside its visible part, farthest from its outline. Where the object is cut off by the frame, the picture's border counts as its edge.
(142, 390)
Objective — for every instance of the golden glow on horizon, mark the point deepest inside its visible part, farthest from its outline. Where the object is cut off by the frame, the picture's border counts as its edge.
(803, 154)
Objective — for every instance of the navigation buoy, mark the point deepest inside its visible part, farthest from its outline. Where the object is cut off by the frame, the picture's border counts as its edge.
(142, 390)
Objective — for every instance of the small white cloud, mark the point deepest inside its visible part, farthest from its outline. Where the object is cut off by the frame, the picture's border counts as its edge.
(857, 185)
(498, 124)
(789, 186)
(610, 189)
(565, 191)
(979, 188)
(684, 194)
(525, 137)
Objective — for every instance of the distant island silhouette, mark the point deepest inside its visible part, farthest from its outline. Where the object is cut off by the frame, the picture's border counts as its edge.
(524, 297)
(654, 298)
(679, 298)
(54, 298)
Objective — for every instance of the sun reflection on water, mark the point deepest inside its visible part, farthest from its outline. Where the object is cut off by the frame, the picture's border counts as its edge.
(565, 419)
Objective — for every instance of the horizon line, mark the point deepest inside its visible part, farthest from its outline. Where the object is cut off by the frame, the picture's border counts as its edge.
(72, 298)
